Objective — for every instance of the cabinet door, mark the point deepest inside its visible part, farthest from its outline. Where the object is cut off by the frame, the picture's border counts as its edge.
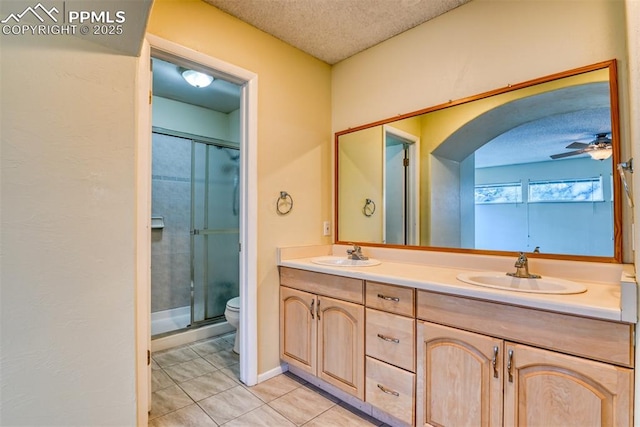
(551, 389)
(341, 345)
(459, 377)
(298, 329)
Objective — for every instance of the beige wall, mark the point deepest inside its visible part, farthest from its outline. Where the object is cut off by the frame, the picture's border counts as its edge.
(480, 46)
(67, 311)
(361, 169)
(294, 137)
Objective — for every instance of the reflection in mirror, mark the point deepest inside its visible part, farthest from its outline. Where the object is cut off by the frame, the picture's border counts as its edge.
(401, 171)
(527, 168)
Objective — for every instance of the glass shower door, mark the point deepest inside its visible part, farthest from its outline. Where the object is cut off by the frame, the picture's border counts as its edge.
(214, 230)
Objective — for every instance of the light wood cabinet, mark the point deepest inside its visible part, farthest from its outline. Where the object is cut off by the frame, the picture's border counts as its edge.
(298, 329)
(321, 335)
(465, 378)
(390, 389)
(390, 298)
(459, 378)
(544, 388)
(603, 340)
(390, 348)
(391, 338)
(463, 361)
(341, 345)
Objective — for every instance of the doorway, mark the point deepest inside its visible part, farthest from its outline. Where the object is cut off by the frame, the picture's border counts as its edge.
(247, 188)
(401, 187)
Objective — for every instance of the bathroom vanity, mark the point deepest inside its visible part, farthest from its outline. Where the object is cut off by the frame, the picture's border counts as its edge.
(410, 344)
(442, 336)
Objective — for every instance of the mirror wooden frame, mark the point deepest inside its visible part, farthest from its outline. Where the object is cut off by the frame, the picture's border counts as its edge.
(615, 144)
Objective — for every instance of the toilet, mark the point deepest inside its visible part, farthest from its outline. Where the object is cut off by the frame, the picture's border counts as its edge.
(232, 314)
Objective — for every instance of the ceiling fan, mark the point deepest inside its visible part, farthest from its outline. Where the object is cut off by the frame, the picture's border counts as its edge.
(599, 148)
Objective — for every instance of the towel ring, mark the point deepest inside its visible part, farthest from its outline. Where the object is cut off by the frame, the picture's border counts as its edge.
(369, 208)
(282, 202)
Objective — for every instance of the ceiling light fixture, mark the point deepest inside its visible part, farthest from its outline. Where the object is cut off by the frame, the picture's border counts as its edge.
(196, 78)
(600, 154)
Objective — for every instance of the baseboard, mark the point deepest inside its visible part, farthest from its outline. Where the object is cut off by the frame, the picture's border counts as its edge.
(273, 372)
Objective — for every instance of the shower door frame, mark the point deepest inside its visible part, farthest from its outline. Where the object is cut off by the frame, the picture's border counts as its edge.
(159, 47)
(205, 231)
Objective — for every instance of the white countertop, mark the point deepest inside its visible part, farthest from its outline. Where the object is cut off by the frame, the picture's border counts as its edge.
(601, 300)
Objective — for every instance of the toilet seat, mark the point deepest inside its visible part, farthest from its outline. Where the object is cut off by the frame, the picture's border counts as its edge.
(234, 304)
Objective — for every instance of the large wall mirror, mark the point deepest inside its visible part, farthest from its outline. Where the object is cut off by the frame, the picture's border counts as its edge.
(530, 167)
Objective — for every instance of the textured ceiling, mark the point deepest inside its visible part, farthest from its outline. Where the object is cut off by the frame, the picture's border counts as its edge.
(531, 129)
(333, 30)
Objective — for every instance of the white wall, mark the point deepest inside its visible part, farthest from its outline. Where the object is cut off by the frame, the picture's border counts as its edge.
(195, 120)
(68, 234)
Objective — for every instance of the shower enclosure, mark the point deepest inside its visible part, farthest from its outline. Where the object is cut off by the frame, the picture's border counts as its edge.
(195, 230)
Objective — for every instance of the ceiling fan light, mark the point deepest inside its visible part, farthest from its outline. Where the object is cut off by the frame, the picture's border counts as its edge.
(600, 154)
(196, 78)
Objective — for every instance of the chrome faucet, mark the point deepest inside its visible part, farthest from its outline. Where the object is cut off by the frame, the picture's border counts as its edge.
(356, 253)
(522, 268)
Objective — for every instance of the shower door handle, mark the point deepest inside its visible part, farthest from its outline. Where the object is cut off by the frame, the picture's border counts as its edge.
(195, 232)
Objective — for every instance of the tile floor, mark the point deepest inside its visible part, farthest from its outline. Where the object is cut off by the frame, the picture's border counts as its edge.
(197, 385)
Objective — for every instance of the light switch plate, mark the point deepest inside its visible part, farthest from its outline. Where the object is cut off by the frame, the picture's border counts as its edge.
(326, 228)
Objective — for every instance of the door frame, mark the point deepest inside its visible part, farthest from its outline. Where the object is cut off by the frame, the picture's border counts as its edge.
(412, 213)
(158, 47)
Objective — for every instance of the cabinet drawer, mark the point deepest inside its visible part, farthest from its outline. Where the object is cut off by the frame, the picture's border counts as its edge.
(391, 389)
(395, 299)
(391, 338)
(581, 336)
(344, 288)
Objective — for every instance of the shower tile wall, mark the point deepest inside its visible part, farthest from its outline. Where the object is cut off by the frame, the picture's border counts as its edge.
(171, 199)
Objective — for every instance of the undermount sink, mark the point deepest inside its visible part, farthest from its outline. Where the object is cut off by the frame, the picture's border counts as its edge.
(544, 285)
(336, 261)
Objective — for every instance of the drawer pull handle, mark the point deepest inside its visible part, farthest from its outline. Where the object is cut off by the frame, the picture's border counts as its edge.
(510, 366)
(386, 390)
(386, 298)
(494, 362)
(393, 340)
